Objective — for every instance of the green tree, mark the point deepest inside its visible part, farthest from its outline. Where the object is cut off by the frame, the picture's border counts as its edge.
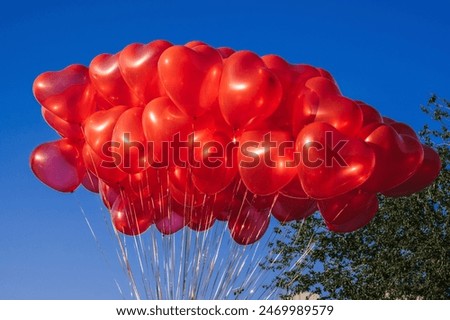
(404, 253)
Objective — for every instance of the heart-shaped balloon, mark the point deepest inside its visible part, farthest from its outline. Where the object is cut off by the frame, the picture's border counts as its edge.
(138, 64)
(404, 129)
(191, 77)
(288, 209)
(259, 202)
(168, 218)
(294, 189)
(292, 79)
(213, 155)
(389, 121)
(108, 81)
(163, 123)
(90, 182)
(248, 89)
(66, 129)
(200, 218)
(58, 164)
(204, 223)
(182, 188)
(372, 119)
(248, 224)
(304, 108)
(132, 216)
(104, 168)
(425, 175)
(223, 202)
(283, 70)
(128, 143)
(350, 211)
(148, 182)
(369, 113)
(188, 196)
(305, 96)
(101, 103)
(98, 130)
(225, 52)
(194, 43)
(325, 88)
(326, 74)
(397, 158)
(266, 160)
(329, 159)
(68, 93)
(342, 113)
(108, 193)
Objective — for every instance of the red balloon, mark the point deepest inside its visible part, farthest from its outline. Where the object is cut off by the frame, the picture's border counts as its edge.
(188, 196)
(132, 217)
(369, 113)
(294, 189)
(200, 218)
(168, 215)
(138, 65)
(187, 135)
(325, 88)
(342, 113)
(266, 160)
(288, 209)
(283, 70)
(194, 43)
(222, 203)
(425, 175)
(58, 164)
(128, 143)
(182, 189)
(292, 109)
(349, 212)
(248, 90)
(290, 75)
(162, 122)
(90, 182)
(170, 224)
(108, 81)
(109, 194)
(305, 104)
(371, 120)
(248, 225)
(304, 72)
(67, 93)
(65, 129)
(98, 130)
(101, 103)
(329, 159)
(212, 158)
(105, 169)
(324, 73)
(397, 157)
(148, 182)
(309, 91)
(388, 120)
(259, 202)
(225, 52)
(198, 70)
(404, 129)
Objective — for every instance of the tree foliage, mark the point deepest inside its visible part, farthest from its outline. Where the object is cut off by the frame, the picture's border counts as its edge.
(404, 253)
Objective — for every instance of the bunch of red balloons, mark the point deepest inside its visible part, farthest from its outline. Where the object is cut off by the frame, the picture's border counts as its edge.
(184, 135)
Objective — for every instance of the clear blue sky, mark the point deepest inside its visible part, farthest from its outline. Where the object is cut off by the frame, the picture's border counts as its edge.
(391, 54)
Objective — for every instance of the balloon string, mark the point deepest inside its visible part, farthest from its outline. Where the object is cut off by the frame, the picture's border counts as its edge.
(210, 264)
(97, 242)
